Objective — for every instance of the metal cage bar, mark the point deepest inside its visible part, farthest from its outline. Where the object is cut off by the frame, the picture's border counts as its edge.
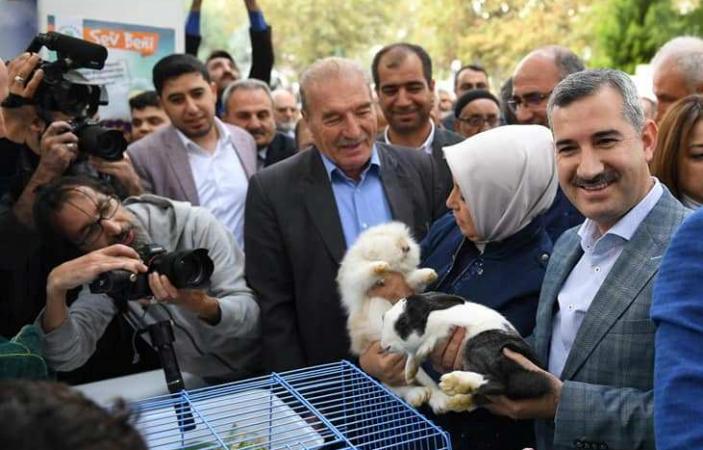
(332, 407)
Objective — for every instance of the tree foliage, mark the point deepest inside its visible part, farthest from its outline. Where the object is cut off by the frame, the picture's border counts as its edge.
(629, 32)
(497, 33)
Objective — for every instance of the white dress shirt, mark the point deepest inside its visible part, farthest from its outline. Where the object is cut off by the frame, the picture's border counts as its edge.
(220, 180)
(426, 146)
(600, 252)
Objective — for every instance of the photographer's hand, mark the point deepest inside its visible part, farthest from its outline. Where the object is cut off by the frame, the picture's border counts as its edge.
(207, 308)
(122, 170)
(80, 271)
(59, 148)
(18, 71)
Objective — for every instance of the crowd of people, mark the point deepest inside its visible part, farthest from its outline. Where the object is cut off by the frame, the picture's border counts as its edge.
(564, 200)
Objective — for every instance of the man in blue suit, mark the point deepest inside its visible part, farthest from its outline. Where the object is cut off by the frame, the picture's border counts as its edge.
(677, 311)
(593, 329)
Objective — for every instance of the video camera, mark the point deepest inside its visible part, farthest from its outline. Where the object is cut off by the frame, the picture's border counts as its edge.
(184, 269)
(65, 89)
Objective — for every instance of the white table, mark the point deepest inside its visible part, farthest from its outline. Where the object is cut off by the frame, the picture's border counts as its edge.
(133, 387)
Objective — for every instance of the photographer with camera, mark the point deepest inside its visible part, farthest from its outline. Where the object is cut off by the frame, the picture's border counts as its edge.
(48, 133)
(216, 326)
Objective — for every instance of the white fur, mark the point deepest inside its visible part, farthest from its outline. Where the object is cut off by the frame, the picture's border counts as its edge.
(378, 251)
(457, 385)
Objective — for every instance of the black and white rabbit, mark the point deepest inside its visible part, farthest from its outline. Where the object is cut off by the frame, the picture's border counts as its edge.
(416, 324)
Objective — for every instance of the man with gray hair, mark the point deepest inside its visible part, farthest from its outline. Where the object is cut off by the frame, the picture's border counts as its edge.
(678, 71)
(285, 111)
(593, 330)
(248, 104)
(304, 212)
(534, 79)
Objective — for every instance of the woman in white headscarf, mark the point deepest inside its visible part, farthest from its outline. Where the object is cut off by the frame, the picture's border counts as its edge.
(492, 248)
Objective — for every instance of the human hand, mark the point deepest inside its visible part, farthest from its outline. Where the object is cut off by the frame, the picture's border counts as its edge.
(387, 367)
(88, 267)
(544, 407)
(392, 287)
(58, 149)
(448, 353)
(18, 71)
(194, 300)
(122, 170)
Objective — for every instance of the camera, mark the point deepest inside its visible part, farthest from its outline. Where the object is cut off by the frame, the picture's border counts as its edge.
(65, 89)
(105, 143)
(185, 269)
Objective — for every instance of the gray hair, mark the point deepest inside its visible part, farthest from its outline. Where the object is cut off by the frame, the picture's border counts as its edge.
(325, 69)
(686, 53)
(250, 84)
(566, 61)
(586, 83)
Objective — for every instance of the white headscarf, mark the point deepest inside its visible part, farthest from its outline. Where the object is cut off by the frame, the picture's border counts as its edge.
(507, 177)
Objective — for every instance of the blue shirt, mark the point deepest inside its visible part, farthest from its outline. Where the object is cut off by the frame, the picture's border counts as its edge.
(360, 204)
(600, 252)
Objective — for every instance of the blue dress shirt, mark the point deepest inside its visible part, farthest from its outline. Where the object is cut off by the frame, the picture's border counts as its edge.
(360, 204)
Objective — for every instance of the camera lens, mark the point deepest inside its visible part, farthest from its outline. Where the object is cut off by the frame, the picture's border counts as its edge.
(186, 269)
(102, 142)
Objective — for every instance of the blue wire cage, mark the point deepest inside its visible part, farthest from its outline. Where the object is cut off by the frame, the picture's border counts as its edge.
(331, 407)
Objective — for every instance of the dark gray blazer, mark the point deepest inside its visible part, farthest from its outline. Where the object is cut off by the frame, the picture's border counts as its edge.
(442, 138)
(294, 241)
(161, 161)
(607, 397)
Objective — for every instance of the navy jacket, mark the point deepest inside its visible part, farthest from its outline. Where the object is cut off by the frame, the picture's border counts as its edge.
(506, 277)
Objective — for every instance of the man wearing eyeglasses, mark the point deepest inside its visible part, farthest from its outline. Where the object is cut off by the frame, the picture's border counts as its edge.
(476, 111)
(216, 328)
(533, 81)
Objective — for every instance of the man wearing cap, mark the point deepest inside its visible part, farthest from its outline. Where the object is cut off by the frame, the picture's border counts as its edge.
(476, 111)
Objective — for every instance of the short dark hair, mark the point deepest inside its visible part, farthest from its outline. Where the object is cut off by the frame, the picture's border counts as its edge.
(221, 54)
(144, 100)
(42, 414)
(586, 83)
(52, 196)
(403, 49)
(175, 65)
(475, 67)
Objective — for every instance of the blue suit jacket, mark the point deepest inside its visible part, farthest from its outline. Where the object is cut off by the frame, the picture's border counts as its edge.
(677, 310)
(607, 397)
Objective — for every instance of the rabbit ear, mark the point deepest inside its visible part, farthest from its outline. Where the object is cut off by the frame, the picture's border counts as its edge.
(411, 368)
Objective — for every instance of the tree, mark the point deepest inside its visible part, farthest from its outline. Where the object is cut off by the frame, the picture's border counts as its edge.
(629, 32)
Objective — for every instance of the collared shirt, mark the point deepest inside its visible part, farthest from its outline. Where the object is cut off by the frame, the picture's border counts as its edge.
(261, 158)
(426, 146)
(600, 252)
(220, 180)
(360, 204)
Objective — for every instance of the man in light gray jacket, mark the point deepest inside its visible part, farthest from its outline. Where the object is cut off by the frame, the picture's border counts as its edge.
(216, 328)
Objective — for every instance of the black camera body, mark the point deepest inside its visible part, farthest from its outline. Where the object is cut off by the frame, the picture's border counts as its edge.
(65, 89)
(185, 269)
(108, 144)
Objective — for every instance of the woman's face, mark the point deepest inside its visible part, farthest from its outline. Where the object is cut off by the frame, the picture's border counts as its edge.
(463, 218)
(691, 164)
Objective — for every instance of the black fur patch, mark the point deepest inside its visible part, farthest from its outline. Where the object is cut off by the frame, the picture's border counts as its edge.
(484, 354)
(418, 308)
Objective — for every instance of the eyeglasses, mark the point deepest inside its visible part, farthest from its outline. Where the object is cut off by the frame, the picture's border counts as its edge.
(528, 100)
(107, 209)
(478, 120)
